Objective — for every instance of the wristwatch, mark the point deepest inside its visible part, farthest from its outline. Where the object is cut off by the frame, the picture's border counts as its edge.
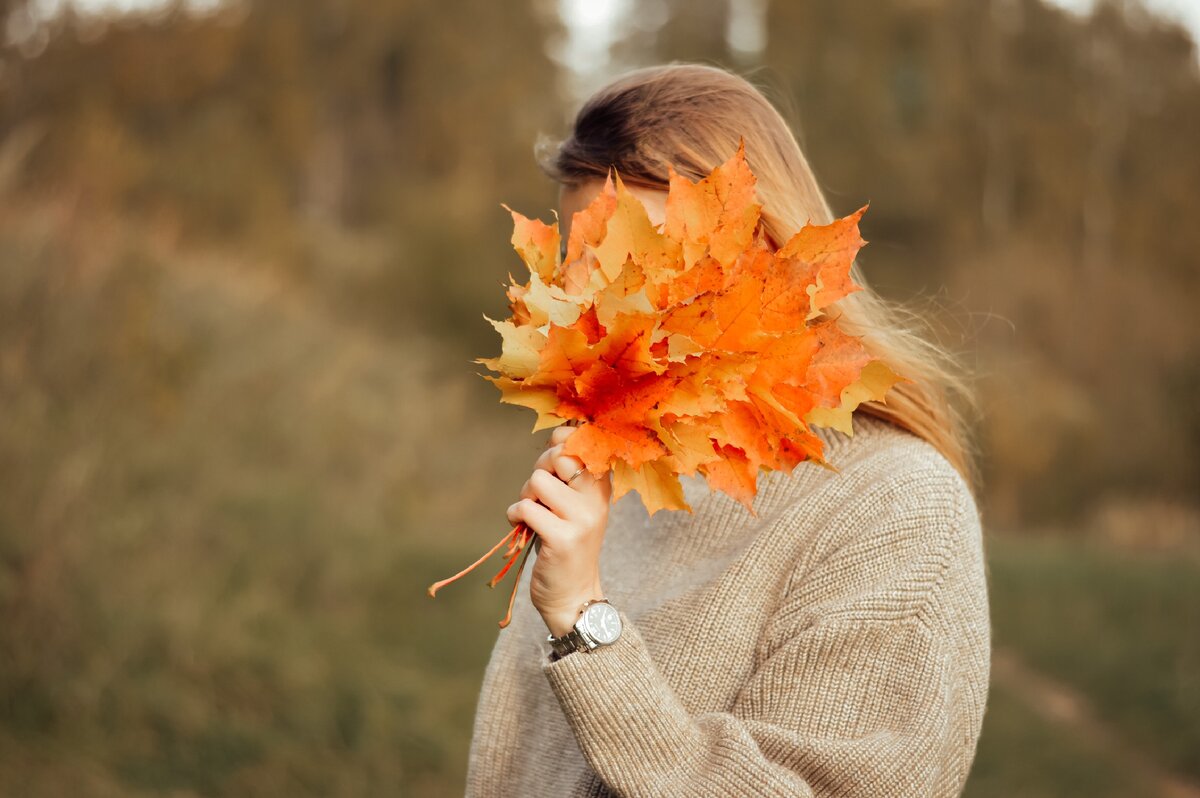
(598, 625)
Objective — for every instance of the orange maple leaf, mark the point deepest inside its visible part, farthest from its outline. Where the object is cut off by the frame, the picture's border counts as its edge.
(692, 347)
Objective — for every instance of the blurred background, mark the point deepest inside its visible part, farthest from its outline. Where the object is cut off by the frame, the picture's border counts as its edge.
(245, 247)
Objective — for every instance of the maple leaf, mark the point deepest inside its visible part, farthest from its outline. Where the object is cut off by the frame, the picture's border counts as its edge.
(589, 225)
(629, 235)
(871, 386)
(820, 256)
(716, 215)
(689, 446)
(731, 472)
(542, 400)
(657, 480)
(519, 349)
(693, 347)
(537, 244)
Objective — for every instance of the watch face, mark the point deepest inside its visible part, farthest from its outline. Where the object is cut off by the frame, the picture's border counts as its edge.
(603, 623)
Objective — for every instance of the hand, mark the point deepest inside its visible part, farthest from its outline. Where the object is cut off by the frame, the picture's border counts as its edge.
(570, 523)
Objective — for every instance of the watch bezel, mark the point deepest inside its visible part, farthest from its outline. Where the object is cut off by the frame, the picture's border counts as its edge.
(579, 637)
(588, 628)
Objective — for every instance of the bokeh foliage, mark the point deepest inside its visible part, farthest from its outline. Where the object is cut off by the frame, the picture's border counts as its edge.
(243, 261)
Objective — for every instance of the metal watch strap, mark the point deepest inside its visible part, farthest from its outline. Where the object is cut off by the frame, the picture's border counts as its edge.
(569, 643)
(573, 640)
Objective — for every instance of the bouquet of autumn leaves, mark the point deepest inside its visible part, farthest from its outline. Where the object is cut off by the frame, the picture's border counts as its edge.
(693, 347)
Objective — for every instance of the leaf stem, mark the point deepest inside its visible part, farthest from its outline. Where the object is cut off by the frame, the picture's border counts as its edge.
(510, 536)
(516, 583)
(516, 547)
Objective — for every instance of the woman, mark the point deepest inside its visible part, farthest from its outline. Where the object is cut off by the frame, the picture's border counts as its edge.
(836, 644)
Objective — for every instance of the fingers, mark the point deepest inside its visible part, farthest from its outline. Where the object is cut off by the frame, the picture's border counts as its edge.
(564, 467)
(551, 491)
(560, 434)
(562, 499)
(538, 518)
(561, 465)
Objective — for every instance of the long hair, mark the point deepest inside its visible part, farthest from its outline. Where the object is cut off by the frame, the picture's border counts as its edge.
(692, 116)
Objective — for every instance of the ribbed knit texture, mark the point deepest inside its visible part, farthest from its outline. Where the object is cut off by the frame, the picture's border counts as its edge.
(836, 645)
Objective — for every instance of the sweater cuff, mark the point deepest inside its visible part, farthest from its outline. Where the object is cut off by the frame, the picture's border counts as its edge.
(622, 710)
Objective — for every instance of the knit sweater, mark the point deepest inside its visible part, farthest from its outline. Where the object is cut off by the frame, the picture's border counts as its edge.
(838, 644)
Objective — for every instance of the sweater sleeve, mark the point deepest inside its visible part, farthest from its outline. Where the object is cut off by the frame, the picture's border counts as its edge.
(858, 688)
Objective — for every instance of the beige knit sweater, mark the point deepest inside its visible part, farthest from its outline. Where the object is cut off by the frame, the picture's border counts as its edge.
(836, 645)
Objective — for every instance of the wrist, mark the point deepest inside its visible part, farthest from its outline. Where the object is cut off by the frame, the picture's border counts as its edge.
(561, 619)
(598, 625)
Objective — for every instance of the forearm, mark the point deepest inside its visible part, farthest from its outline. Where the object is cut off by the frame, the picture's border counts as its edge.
(641, 741)
(843, 709)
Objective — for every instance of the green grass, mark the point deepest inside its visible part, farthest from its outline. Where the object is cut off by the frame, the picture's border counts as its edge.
(1120, 626)
(1020, 754)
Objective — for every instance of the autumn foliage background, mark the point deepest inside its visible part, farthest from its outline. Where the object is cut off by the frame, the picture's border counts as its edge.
(244, 255)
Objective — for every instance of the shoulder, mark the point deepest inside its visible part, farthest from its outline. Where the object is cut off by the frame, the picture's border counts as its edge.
(882, 472)
(882, 458)
(897, 526)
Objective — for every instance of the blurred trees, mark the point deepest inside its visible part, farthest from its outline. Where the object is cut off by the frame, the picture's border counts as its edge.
(1031, 172)
(264, 120)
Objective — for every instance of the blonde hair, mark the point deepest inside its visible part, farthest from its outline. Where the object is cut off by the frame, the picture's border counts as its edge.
(692, 116)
